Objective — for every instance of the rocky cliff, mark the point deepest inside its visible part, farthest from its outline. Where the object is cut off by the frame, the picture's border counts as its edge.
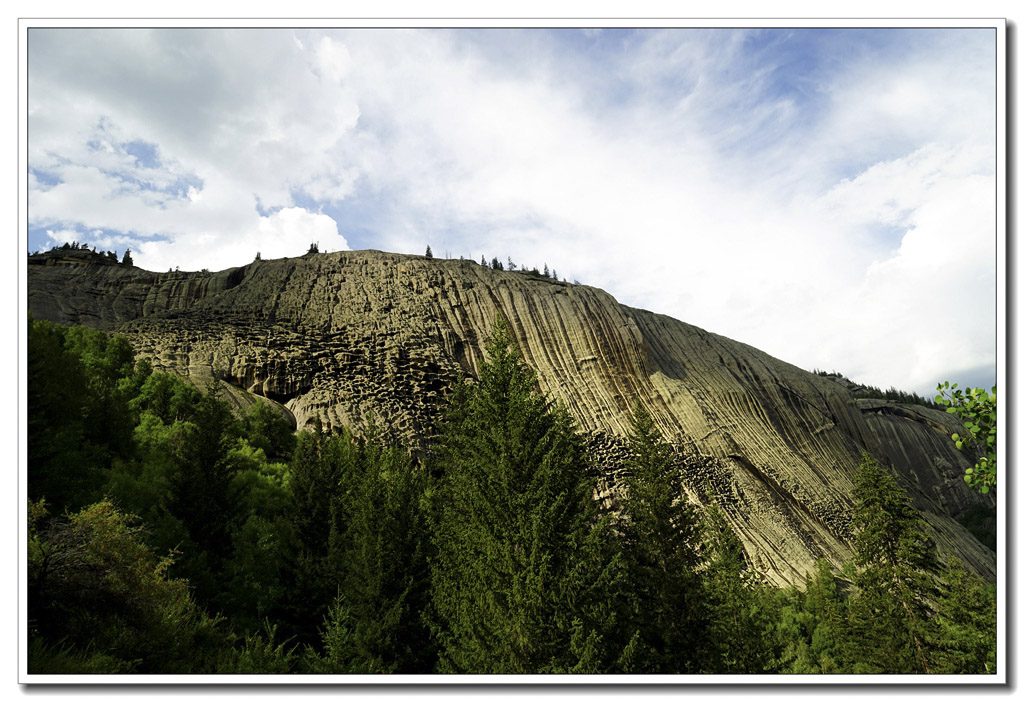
(335, 336)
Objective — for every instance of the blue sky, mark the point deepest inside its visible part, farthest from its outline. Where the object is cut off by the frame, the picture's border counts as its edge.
(826, 195)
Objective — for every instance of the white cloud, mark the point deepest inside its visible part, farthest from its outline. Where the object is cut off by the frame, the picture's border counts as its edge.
(287, 232)
(676, 203)
(238, 120)
(813, 218)
(59, 237)
(930, 301)
(277, 234)
(333, 59)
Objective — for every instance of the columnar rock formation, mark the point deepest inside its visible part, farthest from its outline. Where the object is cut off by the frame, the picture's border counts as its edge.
(336, 336)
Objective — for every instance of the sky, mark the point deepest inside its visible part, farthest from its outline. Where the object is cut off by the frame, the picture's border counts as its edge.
(825, 195)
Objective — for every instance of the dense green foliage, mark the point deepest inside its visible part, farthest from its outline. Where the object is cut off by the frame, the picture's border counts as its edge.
(977, 410)
(741, 606)
(660, 534)
(893, 571)
(168, 535)
(97, 590)
(378, 545)
(811, 625)
(523, 563)
(965, 635)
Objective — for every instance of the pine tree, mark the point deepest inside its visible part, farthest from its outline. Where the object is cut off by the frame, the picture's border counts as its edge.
(661, 535)
(429, 254)
(966, 623)
(201, 488)
(127, 258)
(375, 624)
(739, 605)
(523, 564)
(811, 624)
(894, 566)
(321, 465)
(828, 610)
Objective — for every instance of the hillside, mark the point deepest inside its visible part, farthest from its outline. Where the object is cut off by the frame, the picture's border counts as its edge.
(334, 336)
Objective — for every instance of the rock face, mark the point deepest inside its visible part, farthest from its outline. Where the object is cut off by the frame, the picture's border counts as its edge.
(336, 336)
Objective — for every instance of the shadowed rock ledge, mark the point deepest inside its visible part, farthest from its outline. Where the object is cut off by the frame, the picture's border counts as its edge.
(339, 335)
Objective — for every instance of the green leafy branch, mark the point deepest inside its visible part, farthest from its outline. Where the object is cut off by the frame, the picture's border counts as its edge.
(977, 410)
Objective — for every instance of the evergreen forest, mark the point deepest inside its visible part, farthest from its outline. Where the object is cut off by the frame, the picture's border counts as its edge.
(167, 534)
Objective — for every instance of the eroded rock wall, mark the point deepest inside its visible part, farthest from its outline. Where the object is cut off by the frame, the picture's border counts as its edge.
(336, 336)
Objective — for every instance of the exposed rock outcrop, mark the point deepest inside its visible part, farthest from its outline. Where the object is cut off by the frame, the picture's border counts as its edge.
(336, 336)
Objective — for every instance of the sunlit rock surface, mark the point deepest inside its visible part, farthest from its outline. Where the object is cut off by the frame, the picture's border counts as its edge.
(337, 336)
